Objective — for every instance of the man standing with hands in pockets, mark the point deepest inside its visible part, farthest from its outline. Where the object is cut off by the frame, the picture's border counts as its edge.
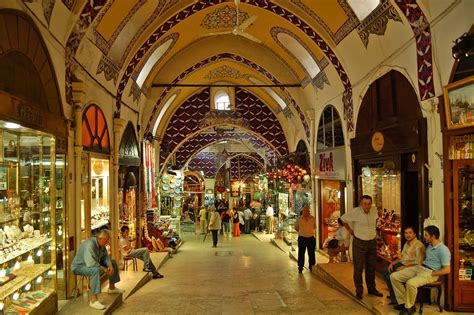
(364, 247)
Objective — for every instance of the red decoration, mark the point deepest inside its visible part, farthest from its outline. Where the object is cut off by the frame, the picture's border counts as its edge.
(221, 189)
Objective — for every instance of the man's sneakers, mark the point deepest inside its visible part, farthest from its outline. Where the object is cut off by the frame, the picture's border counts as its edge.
(97, 305)
(157, 275)
(115, 291)
(147, 270)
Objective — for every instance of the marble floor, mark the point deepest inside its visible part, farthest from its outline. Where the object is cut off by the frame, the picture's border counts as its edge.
(241, 276)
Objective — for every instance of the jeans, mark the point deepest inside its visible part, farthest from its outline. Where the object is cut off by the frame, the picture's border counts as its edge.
(303, 244)
(226, 226)
(143, 254)
(94, 274)
(386, 277)
(247, 226)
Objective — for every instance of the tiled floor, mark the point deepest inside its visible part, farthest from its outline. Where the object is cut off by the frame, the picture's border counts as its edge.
(242, 275)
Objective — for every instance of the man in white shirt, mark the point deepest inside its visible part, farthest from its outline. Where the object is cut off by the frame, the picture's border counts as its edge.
(140, 253)
(364, 247)
(247, 217)
(269, 215)
(306, 226)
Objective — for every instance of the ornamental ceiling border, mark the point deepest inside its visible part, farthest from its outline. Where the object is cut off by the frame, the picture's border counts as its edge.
(233, 155)
(322, 63)
(105, 45)
(272, 7)
(88, 14)
(223, 17)
(69, 4)
(343, 31)
(424, 54)
(48, 7)
(376, 22)
(218, 58)
(237, 169)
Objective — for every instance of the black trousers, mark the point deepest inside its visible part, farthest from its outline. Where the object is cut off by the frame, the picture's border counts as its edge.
(308, 243)
(214, 237)
(364, 255)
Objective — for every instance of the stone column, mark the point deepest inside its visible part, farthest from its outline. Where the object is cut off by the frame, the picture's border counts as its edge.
(119, 125)
(78, 98)
(314, 191)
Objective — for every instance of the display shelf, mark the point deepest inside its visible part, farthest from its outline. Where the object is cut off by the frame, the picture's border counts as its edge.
(98, 225)
(24, 275)
(8, 220)
(25, 250)
(30, 303)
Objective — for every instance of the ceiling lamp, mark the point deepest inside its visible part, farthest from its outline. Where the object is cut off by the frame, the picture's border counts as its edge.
(463, 46)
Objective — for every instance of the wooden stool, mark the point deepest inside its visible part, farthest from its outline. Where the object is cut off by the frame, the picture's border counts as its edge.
(85, 285)
(429, 286)
(126, 259)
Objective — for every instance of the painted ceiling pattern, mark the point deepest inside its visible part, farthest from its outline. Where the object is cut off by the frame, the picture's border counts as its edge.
(225, 17)
(202, 140)
(217, 58)
(187, 120)
(242, 167)
(266, 5)
(421, 28)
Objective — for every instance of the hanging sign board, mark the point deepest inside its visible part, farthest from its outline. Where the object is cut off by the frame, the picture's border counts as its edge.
(331, 164)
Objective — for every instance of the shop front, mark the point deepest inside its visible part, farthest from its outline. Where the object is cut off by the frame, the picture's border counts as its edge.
(458, 152)
(331, 174)
(95, 173)
(389, 153)
(129, 170)
(33, 133)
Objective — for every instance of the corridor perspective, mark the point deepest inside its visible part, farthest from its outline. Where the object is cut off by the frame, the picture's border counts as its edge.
(241, 276)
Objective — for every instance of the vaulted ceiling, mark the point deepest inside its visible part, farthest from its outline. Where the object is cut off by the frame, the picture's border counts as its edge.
(158, 54)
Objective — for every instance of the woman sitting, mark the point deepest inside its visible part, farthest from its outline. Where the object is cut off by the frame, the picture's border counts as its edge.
(340, 244)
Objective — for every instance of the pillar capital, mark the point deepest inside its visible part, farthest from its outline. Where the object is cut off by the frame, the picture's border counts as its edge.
(78, 94)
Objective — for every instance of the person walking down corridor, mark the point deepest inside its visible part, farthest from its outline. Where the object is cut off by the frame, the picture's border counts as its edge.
(306, 226)
(247, 217)
(269, 216)
(235, 220)
(214, 225)
(364, 247)
(202, 220)
(91, 259)
(226, 221)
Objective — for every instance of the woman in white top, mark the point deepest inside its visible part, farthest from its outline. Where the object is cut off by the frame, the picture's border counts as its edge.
(342, 237)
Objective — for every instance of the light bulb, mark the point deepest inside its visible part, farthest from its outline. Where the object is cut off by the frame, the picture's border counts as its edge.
(39, 279)
(3, 273)
(17, 265)
(50, 272)
(29, 259)
(28, 287)
(16, 296)
(39, 253)
(1, 306)
(60, 232)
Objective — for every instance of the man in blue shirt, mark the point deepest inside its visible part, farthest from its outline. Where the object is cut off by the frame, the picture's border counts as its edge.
(91, 259)
(407, 281)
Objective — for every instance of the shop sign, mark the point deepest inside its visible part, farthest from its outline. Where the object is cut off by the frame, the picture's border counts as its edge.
(28, 114)
(331, 164)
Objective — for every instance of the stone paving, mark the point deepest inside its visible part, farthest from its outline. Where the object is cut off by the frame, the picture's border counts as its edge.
(241, 276)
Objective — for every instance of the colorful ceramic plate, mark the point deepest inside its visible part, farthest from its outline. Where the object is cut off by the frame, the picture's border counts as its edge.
(172, 186)
(165, 178)
(177, 182)
(178, 197)
(177, 190)
(171, 195)
(165, 187)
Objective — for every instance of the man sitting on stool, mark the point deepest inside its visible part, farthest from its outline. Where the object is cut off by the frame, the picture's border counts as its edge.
(436, 263)
(92, 258)
(140, 253)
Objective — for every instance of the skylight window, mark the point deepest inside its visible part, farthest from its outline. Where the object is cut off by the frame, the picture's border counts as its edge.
(363, 8)
(300, 53)
(154, 58)
(222, 101)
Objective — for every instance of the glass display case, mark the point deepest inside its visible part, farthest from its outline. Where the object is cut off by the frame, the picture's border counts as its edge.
(384, 186)
(27, 221)
(463, 171)
(95, 195)
(330, 208)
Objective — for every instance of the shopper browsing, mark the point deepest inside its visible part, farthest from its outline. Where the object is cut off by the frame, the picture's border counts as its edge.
(91, 259)
(214, 225)
(140, 253)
